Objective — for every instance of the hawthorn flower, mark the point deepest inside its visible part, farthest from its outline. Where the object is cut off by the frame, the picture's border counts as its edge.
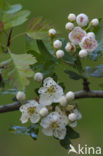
(20, 96)
(54, 125)
(43, 111)
(73, 117)
(38, 77)
(30, 111)
(83, 53)
(59, 54)
(91, 34)
(52, 32)
(63, 101)
(70, 47)
(57, 44)
(95, 22)
(69, 26)
(70, 96)
(76, 35)
(89, 43)
(72, 17)
(82, 20)
(50, 93)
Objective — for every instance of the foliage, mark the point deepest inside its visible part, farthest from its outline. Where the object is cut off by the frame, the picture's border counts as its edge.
(40, 56)
(16, 69)
(32, 130)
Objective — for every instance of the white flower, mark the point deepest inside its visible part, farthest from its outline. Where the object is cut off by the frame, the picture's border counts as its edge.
(30, 111)
(76, 35)
(38, 77)
(91, 34)
(83, 53)
(72, 17)
(43, 112)
(69, 26)
(20, 96)
(50, 93)
(52, 32)
(78, 116)
(95, 22)
(54, 125)
(89, 43)
(57, 44)
(63, 101)
(82, 20)
(70, 47)
(70, 96)
(72, 117)
(59, 54)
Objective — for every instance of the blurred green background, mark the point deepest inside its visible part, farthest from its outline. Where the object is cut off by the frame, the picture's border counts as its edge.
(91, 125)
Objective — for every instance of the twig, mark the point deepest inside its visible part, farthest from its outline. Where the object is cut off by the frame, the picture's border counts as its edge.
(9, 39)
(78, 95)
(86, 85)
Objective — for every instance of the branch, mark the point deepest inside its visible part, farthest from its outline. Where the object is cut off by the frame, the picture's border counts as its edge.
(78, 95)
(10, 107)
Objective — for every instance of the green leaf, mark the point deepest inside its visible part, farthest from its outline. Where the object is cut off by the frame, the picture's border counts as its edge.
(73, 75)
(21, 130)
(15, 19)
(38, 28)
(94, 71)
(71, 134)
(46, 62)
(17, 69)
(13, 8)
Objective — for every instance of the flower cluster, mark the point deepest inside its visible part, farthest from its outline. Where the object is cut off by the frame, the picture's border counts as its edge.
(54, 110)
(80, 40)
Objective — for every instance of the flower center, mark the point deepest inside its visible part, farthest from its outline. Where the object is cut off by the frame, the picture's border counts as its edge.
(51, 90)
(31, 110)
(88, 43)
(54, 125)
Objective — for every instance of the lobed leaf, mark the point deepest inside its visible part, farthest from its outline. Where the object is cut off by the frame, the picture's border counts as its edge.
(15, 19)
(38, 28)
(46, 62)
(16, 69)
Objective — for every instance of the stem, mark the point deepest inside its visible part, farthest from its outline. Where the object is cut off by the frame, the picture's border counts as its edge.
(78, 95)
(86, 85)
(9, 39)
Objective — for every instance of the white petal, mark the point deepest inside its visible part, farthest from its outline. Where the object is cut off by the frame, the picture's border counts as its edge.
(45, 100)
(64, 118)
(48, 132)
(45, 122)
(24, 118)
(73, 124)
(60, 133)
(42, 90)
(49, 82)
(56, 97)
(32, 103)
(78, 114)
(35, 118)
